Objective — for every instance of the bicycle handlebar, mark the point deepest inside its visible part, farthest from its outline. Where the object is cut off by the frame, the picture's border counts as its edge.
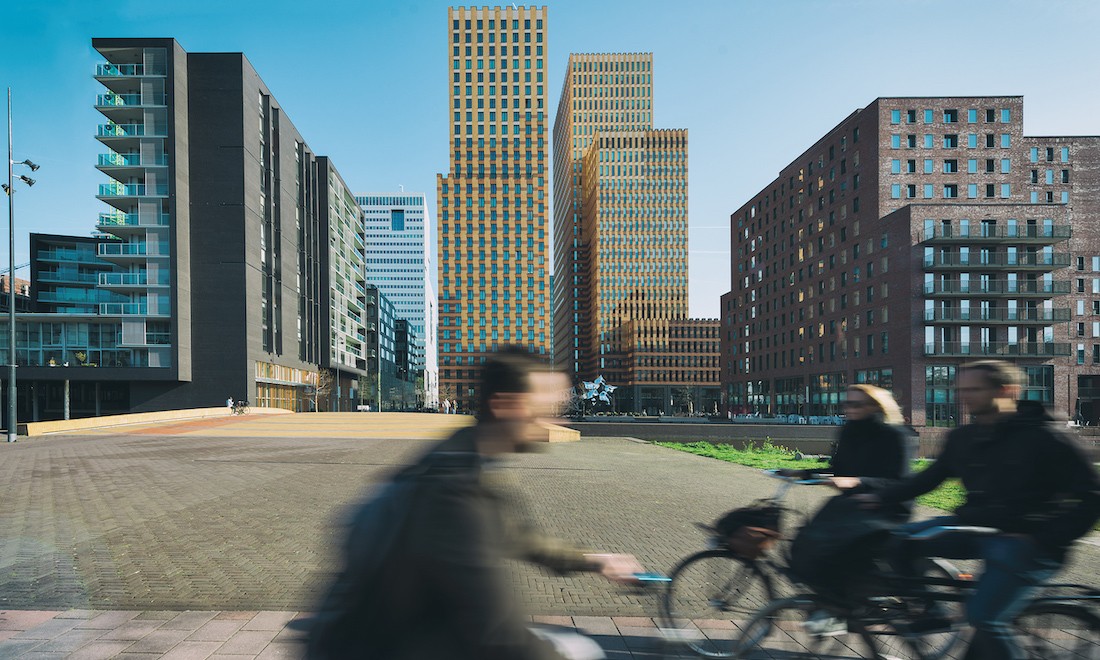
(936, 532)
(815, 478)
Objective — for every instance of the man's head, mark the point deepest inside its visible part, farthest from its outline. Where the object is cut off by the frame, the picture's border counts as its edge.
(988, 387)
(518, 390)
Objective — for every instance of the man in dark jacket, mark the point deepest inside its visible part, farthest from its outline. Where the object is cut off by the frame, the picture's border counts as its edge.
(440, 589)
(1022, 476)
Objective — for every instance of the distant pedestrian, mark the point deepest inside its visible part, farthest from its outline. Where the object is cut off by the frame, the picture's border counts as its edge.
(229, 403)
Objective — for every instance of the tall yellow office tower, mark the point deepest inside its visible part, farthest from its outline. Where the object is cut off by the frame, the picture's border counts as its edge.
(493, 206)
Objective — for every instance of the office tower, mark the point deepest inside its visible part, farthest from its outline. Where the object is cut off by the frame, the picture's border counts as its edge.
(916, 235)
(399, 263)
(238, 252)
(493, 202)
(602, 94)
(620, 231)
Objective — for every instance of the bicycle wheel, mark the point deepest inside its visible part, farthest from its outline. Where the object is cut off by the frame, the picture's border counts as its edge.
(1056, 631)
(708, 593)
(805, 627)
(934, 644)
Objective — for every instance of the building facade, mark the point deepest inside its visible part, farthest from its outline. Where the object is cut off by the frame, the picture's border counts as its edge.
(918, 234)
(68, 278)
(602, 94)
(238, 252)
(493, 211)
(388, 385)
(399, 263)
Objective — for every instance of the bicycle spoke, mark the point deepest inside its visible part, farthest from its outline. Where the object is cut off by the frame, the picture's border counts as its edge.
(1055, 631)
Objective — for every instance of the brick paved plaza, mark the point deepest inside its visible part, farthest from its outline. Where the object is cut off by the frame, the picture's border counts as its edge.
(236, 516)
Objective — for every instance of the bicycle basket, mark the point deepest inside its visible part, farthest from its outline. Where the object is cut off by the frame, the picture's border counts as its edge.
(750, 531)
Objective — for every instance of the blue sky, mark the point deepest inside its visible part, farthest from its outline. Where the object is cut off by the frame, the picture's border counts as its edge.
(755, 82)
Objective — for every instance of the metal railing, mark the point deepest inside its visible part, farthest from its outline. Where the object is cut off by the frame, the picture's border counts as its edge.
(122, 249)
(978, 287)
(979, 232)
(999, 314)
(124, 100)
(1000, 348)
(999, 259)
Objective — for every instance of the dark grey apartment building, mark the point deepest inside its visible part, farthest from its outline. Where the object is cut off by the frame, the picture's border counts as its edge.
(918, 234)
(237, 251)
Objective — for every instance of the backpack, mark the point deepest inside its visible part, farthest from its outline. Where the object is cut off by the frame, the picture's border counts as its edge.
(750, 531)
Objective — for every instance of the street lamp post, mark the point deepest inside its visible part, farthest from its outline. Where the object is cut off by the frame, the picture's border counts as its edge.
(9, 188)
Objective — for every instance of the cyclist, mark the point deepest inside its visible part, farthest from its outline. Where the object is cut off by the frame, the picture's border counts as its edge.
(443, 591)
(1022, 475)
(873, 451)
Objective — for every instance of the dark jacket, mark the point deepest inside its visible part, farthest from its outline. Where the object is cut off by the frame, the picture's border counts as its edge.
(1021, 474)
(877, 452)
(443, 590)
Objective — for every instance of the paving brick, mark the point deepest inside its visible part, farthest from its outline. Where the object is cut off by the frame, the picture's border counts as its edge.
(23, 619)
(107, 620)
(48, 629)
(17, 648)
(270, 621)
(98, 650)
(190, 621)
(247, 642)
(215, 631)
(192, 651)
(282, 651)
(159, 641)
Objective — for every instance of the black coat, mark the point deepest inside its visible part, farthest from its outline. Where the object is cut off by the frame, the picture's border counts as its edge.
(877, 452)
(1021, 474)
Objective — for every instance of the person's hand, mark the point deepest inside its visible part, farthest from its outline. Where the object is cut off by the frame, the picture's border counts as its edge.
(845, 483)
(868, 500)
(616, 567)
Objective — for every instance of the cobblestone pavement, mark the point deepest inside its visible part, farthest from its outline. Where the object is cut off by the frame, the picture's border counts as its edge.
(238, 518)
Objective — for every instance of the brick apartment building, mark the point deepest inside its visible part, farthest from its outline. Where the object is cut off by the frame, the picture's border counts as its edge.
(916, 235)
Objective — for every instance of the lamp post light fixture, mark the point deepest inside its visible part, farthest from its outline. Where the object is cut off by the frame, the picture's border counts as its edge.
(9, 189)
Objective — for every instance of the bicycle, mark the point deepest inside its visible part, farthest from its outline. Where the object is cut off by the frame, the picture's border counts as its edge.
(1054, 625)
(241, 408)
(711, 590)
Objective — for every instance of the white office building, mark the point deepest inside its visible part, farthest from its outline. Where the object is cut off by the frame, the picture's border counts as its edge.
(399, 263)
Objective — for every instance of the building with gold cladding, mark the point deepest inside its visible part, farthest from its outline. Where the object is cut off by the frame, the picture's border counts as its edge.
(493, 206)
(602, 93)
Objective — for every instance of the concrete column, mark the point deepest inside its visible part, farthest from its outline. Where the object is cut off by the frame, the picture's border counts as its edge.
(34, 402)
(97, 408)
(66, 398)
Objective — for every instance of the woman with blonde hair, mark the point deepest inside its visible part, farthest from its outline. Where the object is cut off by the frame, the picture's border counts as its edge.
(874, 446)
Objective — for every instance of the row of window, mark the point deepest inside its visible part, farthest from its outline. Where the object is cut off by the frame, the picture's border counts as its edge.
(950, 116)
(950, 141)
(951, 166)
(493, 24)
(949, 190)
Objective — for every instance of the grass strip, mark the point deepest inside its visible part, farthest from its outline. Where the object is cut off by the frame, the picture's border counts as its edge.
(766, 456)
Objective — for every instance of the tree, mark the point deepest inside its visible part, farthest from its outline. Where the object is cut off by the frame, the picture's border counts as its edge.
(322, 387)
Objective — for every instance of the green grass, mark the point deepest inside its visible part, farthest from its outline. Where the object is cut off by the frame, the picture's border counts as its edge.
(766, 456)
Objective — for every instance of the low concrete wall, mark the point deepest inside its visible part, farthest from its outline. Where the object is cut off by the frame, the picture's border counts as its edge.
(800, 437)
(85, 423)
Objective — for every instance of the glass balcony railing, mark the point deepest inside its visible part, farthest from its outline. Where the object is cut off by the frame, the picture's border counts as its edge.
(132, 190)
(123, 100)
(131, 160)
(121, 130)
(133, 220)
(120, 70)
(67, 255)
(66, 276)
(131, 279)
(124, 309)
(122, 249)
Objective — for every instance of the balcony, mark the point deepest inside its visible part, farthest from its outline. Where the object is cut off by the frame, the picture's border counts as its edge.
(68, 277)
(997, 288)
(132, 190)
(112, 100)
(1029, 234)
(116, 251)
(109, 70)
(114, 220)
(68, 256)
(997, 315)
(131, 160)
(998, 349)
(123, 309)
(1043, 262)
(129, 280)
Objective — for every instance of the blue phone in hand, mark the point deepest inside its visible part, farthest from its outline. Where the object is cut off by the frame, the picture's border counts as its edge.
(651, 577)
